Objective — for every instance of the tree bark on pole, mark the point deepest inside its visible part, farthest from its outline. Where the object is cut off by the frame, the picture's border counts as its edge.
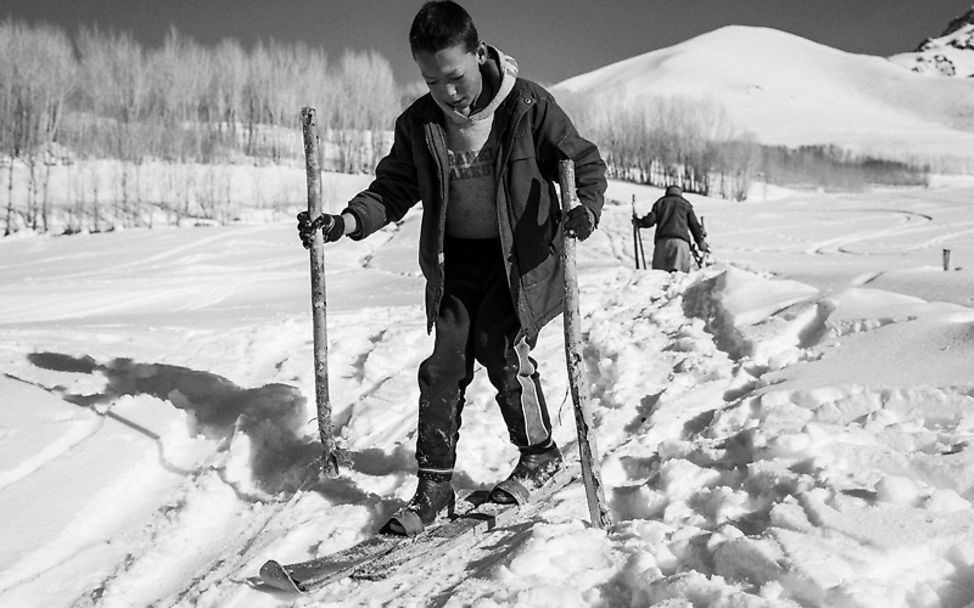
(587, 448)
(330, 455)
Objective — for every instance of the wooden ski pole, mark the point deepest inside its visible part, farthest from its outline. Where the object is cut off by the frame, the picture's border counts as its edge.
(704, 257)
(587, 448)
(635, 234)
(330, 456)
(642, 250)
(638, 236)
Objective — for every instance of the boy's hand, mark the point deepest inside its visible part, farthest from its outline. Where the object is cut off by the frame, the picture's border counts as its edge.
(580, 222)
(332, 226)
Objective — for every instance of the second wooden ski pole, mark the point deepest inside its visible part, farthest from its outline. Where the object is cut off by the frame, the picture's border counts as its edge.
(588, 451)
(637, 238)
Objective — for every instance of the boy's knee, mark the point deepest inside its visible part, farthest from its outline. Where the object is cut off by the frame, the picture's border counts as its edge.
(440, 368)
(428, 371)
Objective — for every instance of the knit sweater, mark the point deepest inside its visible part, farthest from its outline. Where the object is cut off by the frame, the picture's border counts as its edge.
(472, 148)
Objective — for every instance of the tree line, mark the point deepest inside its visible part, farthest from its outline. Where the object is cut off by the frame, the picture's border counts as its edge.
(691, 142)
(103, 94)
(661, 141)
(98, 94)
(829, 167)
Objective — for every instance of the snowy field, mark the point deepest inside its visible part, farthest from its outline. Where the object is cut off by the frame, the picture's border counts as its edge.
(789, 427)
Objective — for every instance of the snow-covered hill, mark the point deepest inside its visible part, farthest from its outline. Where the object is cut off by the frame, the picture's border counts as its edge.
(950, 54)
(791, 91)
(800, 440)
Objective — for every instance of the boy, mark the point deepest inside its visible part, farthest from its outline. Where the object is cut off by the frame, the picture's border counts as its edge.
(481, 152)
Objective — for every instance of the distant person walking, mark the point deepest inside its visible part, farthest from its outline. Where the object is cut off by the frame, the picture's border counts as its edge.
(675, 224)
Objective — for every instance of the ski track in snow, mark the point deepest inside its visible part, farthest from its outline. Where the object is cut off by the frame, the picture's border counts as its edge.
(726, 479)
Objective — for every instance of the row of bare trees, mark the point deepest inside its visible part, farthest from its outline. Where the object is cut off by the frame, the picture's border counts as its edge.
(691, 142)
(99, 94)
(662, 141)
(102, 93)
(832, 168)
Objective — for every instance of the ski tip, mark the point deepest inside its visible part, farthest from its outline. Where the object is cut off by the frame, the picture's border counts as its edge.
(273, 574)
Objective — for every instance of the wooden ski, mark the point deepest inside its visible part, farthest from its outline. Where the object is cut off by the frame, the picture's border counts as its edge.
(383, 554)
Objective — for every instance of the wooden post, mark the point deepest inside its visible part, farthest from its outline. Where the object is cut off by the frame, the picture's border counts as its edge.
(330, 456)
(588, 451)
(946, 255)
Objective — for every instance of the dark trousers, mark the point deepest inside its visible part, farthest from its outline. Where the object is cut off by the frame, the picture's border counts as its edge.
(476, 322)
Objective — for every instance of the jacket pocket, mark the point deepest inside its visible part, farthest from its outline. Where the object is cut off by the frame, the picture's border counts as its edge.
(522, 148)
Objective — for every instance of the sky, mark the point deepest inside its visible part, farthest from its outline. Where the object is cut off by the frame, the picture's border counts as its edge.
(552, 39)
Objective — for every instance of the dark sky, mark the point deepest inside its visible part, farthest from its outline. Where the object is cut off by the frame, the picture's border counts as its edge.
(552, 39)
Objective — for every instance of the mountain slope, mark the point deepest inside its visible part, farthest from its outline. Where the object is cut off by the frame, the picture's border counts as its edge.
(788, 90)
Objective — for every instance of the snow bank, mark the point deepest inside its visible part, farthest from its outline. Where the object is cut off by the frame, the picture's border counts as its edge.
(780, 429)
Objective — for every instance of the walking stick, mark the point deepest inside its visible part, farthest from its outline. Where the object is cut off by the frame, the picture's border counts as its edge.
(588, 452)
(642, 250)
(637, 237)
(635, 234)
(705, 259)
(331, 455)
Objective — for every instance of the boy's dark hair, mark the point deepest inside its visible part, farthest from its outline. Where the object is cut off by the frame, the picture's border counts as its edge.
(441, 24)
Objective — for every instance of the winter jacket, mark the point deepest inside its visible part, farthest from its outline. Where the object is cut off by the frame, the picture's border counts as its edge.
(674, 218)
(534, 134)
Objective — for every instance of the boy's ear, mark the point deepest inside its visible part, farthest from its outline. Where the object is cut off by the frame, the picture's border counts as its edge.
(481, 53)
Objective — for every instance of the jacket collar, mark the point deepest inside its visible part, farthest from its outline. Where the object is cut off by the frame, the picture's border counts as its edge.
(499, 74)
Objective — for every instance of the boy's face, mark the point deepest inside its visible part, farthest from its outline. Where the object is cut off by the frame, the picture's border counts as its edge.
(453, 75)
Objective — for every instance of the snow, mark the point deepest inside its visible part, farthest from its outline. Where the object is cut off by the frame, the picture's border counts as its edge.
(789, 427)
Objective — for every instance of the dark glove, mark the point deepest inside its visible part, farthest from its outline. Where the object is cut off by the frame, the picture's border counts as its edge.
(704, 247)
(332, 226)
(580, 222)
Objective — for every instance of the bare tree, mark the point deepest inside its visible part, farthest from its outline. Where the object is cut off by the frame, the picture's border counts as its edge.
(38, 74)
(104, 96)
(368, 100)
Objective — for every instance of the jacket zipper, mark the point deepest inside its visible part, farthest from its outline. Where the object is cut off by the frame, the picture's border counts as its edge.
(431, 134)
(503, 179)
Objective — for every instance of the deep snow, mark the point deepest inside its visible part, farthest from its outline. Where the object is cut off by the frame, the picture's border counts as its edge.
(791, 426)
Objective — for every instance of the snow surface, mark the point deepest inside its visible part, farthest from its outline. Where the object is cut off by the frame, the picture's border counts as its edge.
(789, 427)
(787, 90)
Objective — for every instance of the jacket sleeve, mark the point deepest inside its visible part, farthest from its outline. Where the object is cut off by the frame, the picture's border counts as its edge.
(393, 191)
(556, 139)
(648, 220)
